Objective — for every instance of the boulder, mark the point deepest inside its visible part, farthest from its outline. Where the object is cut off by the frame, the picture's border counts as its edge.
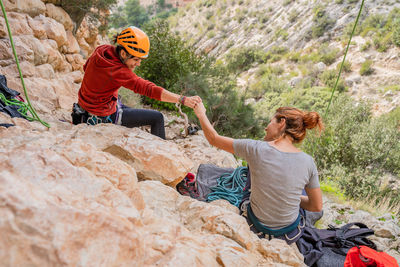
(24, 51)
(60, 15)
(45, 71)
(27, 69)
(54, 30)
(32, 7)
(41, 93)
(72, 46)
(54, 58)
(37, 27)
(18, 23)
(5, 50)
(40, 54)
(76, 61)
(152, 157)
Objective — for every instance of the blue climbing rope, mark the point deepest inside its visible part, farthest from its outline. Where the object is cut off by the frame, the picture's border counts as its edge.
(230, 187)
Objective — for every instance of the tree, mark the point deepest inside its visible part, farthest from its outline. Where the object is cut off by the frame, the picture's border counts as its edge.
(78, 9)
(131, 14)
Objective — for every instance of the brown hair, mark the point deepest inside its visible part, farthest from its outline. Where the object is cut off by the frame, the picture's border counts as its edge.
(119, 48)
(297, 121)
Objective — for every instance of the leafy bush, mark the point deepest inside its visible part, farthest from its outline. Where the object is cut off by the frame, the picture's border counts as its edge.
(314, 98)
(366, 68)
(324, 53)
(132, 13)
(241, 59)
(396, 33)
(346, 66)
(329, 77)
(176, 67)
(356, 149)
(78, 9)
(321, 22)
(269, 82)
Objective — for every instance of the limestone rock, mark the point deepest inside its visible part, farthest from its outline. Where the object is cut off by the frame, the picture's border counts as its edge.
(45, 71)
(18, 24)
(40, 54)
(54, 58)
(5, 50)
(72, 44)
(24, 51)
(152, 157)
(60, 15)
(32, 7)
(76, 61)
(54, 30)
(37, 27)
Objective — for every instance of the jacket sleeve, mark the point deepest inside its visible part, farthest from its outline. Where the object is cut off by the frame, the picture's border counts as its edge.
(130, 80)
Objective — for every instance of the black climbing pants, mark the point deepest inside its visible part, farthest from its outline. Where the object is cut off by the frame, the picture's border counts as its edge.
(140, 117)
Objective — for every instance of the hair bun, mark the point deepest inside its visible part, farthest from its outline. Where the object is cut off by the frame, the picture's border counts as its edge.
(311, 120)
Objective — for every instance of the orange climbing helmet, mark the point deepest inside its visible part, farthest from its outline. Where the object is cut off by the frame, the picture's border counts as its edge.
(135, 41)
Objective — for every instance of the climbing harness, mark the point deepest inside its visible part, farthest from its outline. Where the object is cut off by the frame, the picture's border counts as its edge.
(28, 106)
(93, 119)
(344, 57)
(230, 187)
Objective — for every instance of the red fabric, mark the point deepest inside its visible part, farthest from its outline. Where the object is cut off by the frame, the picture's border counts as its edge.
(104, 75)
(366, 256)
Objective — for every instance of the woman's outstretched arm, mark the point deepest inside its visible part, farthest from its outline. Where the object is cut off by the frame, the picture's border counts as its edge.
(222, 142)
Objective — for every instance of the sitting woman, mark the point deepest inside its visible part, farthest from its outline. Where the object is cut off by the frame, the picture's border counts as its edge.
(109, 68)
(279, 171)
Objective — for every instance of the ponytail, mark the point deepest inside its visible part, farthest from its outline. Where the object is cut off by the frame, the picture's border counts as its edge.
(313, 119)
(297, 121)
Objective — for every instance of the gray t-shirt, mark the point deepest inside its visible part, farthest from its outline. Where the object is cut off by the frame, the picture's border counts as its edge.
(277, 180)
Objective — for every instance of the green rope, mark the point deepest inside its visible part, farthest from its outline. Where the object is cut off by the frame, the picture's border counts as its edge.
(344, 58)
(23, 108)
(230, 187)
(29, 107)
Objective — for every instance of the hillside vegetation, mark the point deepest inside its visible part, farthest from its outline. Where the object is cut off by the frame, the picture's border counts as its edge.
(245, 59)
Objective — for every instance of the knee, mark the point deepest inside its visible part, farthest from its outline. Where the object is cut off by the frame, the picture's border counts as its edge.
(159, 117)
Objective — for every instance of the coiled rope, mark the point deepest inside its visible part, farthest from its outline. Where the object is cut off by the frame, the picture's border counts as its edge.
(23, 106)
(230, 187)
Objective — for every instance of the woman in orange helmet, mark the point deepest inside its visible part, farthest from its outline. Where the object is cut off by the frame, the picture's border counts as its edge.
(109, 68)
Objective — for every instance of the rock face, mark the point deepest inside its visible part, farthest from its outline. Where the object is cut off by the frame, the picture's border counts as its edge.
(76, 195)
(48, 53)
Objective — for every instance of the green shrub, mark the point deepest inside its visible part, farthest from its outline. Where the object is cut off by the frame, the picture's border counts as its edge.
(365, 46)
(78, 9)
(269, 82)
(241, 59)
(346, 66)
(293, 16)
(356, 149)
(129, 98)
(287, 2)
(176, 67)
(329, 77)
(366, 68)
(314, 98)
(396, 33)
(321, 22)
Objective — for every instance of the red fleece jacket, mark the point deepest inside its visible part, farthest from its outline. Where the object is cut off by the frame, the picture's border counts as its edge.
(104, 75)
